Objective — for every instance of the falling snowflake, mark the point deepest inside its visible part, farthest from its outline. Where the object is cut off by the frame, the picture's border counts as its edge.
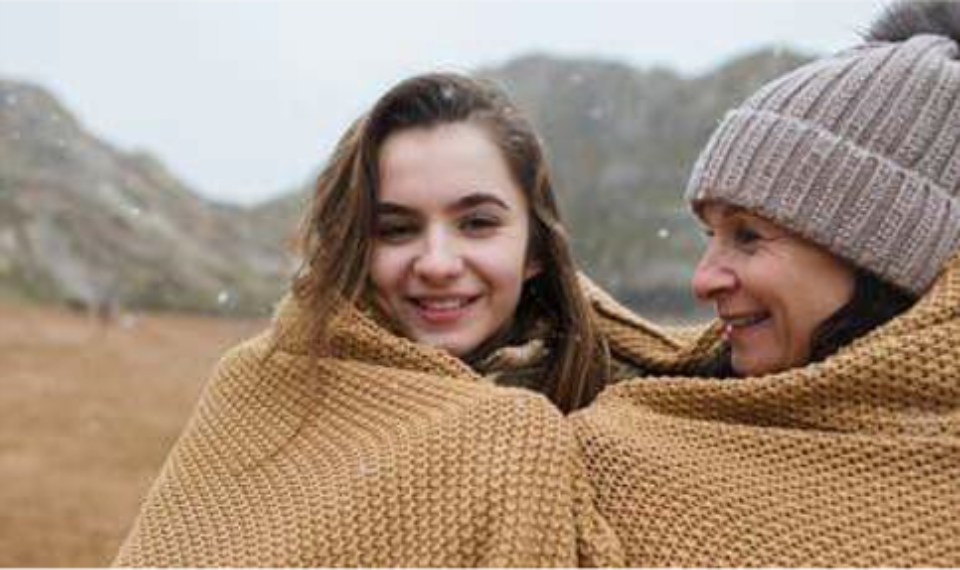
(128, 321)
(520, 405)
(224, 297)
(663, 233)
(366, 469)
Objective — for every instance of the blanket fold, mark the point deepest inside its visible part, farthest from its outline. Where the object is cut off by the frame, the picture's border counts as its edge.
(853, 461)
(384, 453)
(389, 453)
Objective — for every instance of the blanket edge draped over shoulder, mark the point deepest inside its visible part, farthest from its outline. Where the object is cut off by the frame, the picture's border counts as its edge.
(382, 453)
(852, 461)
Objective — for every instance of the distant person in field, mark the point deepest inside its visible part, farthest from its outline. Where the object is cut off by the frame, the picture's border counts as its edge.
(398, 412)
(824, 426)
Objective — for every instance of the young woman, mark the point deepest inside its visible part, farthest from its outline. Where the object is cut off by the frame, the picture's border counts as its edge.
(370, 425)
(831, 202)
(439, 217)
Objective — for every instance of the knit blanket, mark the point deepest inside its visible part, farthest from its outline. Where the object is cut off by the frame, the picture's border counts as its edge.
(854, 461)
(388, 453)
(385, 453)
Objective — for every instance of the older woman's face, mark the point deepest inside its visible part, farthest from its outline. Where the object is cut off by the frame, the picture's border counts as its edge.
(770, 288)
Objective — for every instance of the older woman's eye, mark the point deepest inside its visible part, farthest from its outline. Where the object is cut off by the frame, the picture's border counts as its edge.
(744, 236)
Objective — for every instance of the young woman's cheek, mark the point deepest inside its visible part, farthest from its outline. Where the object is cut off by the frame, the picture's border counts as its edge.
(388, 268)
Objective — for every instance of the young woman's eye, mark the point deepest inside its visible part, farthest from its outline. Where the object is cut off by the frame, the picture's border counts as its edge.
(479, 224)
(395, 231)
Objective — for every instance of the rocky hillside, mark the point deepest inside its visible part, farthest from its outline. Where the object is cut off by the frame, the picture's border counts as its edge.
(84, 223)
(621, 143)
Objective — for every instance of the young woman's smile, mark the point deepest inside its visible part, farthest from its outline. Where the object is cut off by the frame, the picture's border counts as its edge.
(771, 289)
(452, 237)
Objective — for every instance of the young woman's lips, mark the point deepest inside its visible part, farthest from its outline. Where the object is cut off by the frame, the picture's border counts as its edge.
(442, 310)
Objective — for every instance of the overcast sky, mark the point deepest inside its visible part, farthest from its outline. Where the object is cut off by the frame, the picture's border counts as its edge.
(242, 100)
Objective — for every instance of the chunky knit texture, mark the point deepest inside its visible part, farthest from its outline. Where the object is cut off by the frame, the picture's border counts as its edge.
(393, 454)
(857, 152)
(854, 461)
(387, 453)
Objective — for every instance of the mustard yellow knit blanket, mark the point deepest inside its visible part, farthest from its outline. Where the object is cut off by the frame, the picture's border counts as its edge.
(386, 454)
(854, 461)
(390, 453)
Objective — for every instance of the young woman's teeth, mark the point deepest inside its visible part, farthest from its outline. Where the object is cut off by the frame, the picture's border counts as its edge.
(442, 304)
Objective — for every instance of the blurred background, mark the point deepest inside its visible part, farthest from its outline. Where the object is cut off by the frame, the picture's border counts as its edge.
(155, 157)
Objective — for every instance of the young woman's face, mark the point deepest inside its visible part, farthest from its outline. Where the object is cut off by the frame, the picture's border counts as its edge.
(452, 233)
(770, 288)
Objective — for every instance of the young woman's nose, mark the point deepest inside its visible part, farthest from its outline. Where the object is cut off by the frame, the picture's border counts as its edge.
(439, 259)
(713, 276)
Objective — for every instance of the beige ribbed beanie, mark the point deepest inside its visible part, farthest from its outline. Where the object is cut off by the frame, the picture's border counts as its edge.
(859, 152)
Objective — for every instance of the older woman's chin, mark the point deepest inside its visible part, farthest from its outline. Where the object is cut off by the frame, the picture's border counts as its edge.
(752, 362)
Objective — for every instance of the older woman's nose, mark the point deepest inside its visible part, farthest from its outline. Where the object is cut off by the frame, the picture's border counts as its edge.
(712, 276)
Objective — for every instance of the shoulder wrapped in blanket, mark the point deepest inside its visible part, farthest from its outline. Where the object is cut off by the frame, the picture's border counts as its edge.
(392, 454)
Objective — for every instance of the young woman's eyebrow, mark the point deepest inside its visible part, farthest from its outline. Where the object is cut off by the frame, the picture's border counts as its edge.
(479, 199)
(386, 208)
(464, 203)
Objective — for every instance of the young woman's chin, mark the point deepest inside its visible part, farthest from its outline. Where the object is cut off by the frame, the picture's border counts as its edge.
(467, 337)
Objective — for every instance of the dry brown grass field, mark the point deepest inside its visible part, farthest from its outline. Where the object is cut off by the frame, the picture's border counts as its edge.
(88, 411)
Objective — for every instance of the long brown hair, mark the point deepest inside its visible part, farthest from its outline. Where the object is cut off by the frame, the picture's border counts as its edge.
(337, 233)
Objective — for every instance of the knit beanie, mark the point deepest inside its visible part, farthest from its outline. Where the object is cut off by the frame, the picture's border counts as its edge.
(858, 152)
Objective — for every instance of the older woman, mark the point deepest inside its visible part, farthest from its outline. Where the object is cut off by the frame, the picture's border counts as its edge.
(825, 427)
